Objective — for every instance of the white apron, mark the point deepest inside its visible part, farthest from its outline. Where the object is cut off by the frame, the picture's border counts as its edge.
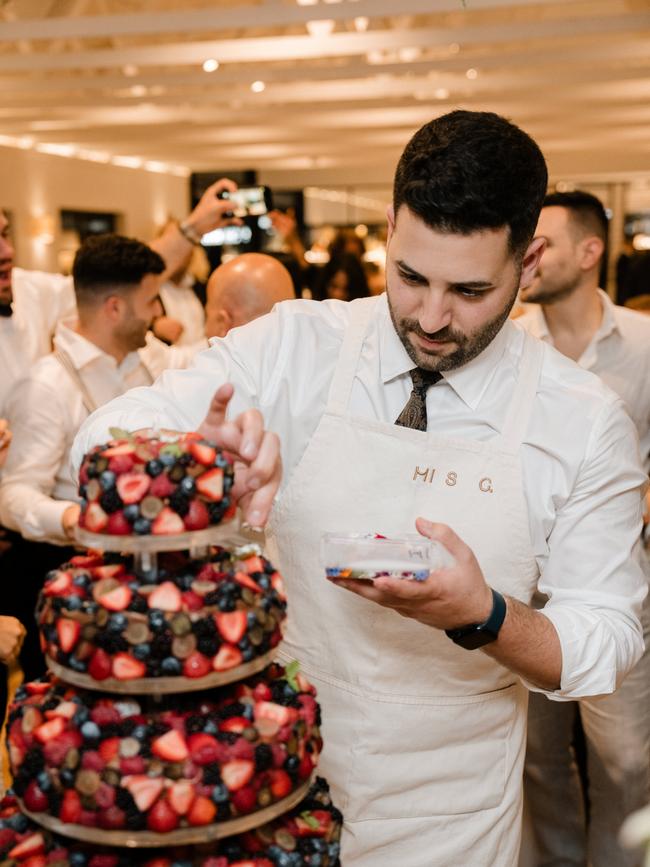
(423, 741)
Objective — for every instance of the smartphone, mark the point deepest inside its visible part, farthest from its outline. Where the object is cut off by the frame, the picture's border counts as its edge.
(249, 201)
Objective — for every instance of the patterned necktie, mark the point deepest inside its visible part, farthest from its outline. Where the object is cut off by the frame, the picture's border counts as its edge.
(414, 414)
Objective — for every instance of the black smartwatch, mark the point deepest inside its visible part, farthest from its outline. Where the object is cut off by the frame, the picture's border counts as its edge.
(477, 634)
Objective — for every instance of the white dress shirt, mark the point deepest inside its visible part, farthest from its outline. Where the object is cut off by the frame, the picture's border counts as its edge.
(619, 353)
(41, 300)
(581, 470)
(181, 303)
(45, 410)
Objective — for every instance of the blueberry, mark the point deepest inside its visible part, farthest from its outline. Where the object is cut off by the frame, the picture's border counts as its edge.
(43, 781)
(184, 582)
(117, 622)
(157, 620)
(210, 728)
(77, 859)
(77, 664)
(179, 502)
(188, 485)
(110, 501)
(171, 666)
(220, 794)
(17, 822)
(142, 651)
(107, 480)
(72, 603)
(132, 512)
(140, 733)
(248, 654)
(292, 764)
(82, 491)
(220, 461)
(154, 467)
(82, 580)
(142, 527)
(90, 731)
(81, 716)
(167, 459)
(67, 777)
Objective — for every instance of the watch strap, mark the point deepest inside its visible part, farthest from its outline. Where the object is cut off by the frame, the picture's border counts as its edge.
(189, 233)
(478, 634)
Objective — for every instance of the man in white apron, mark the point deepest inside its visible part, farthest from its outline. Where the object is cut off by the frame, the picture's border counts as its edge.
(424, 737)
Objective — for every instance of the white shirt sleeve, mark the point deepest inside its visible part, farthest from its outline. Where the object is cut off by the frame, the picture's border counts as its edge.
(158, 356)
(595, 588)
(38, 449)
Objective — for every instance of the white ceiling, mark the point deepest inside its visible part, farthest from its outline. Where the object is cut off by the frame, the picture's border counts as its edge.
(107, 77)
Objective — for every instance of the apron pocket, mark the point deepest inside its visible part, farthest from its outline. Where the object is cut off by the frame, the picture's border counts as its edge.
(445, 757)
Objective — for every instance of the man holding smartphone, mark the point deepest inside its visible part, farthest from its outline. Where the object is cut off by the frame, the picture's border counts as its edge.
(428, 401)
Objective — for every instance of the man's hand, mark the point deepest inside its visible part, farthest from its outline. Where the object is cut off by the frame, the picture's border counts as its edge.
(258, 465)
(451, 597)
(5, 440)
(70, 519)
(213, 212)
(12, 635)
(168, 329)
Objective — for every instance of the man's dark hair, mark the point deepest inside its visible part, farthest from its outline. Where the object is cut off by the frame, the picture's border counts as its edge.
(587, 211)
(111, 265)
(473, 170)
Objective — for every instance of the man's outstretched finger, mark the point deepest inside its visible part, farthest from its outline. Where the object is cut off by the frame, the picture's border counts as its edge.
(216, 414)
(266, 475)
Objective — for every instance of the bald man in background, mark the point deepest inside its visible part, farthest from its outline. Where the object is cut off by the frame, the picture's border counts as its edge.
(243, 289)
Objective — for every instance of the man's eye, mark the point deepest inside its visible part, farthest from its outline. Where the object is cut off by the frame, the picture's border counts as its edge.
(412, 279)
(468, 293)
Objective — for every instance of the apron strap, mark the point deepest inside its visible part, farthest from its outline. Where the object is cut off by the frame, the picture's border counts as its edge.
(521, 405)
(67, 364)
(348, 360)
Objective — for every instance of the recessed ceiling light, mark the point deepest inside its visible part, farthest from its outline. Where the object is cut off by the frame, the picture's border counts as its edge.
(441, 93)
(361, 23)
(320, 27)
(130, 70)
(258, 86)
(210, 65)
(472, 74)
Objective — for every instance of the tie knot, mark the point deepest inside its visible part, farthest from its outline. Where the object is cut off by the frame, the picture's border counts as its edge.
(423, 379)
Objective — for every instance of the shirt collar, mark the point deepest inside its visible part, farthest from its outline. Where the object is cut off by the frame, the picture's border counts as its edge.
(83, 352)
(469, 381)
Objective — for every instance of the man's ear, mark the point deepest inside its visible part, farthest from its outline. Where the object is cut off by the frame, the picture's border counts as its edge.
(113, 308)
(223, 322)
(591, 252)
(530, 261)
(390, 217)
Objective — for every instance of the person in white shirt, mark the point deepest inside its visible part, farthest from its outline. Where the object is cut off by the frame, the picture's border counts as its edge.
(567, 309)
(183, 320)
(424, 739)
(244, 289)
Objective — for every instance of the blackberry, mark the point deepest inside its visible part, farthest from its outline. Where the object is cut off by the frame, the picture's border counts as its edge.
(194, 723)
(158, 728)
(110, 501)
(212, 598)
(212, 777)
(263, 757)
(179, 502)
(235, 709)
(124, 800)
(33, 763)
(208, 646)
(127, 727)
(216, 511)
(161, 646)
(204, 628)
(227, 737)
(139, 604)
(185, 460)
(136, 821)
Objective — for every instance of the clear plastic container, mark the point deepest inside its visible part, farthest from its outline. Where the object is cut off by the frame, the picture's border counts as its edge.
(367, 557)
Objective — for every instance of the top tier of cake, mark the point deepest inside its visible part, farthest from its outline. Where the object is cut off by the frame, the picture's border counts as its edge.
(140, 485)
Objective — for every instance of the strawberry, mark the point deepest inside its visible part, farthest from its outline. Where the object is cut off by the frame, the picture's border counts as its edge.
(231, 624)
(105, 713)
(109, 749)
(59, 585)
(262, 691)
(94, 518)
(280, 783)
(65, 709)
(305, 767)
(210, 484)
(49, 730)
(132, 487)
(34, 844)
(162, 486)
(120, 464)
(85, 561)
(144, 790)
(203, 748)
(35, 799)
(112, 819)
(166, 597)
(116, 599)
(278, 585)
(167, 523)
(91, 760)
(105, 796)
(68, 632)
(245, 800)
(227, 657)
(171, 747)
(237, 773)
(253, 564)
(307, 829)
(125, 667)
(196, 665)
(181, 795)
(203, 453)
(246, 581)
(198, 516)
(202, 811)
(109, 570)
(161, 818)
(133, 765)
(117, 524)
(100, 666)
(276, 712)
(192, 601)
(235, 724)
(71, 807)
(120, 448)
(57, 749)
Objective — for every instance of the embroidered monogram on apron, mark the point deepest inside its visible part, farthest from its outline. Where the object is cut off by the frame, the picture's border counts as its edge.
(423, 741)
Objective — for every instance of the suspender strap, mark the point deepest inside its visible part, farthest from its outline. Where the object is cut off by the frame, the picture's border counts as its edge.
(66, 363)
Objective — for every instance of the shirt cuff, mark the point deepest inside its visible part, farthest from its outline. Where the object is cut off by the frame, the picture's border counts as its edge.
(43, 523)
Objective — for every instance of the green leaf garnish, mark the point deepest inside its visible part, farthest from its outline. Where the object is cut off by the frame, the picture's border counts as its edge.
(290, 673)
(118, 433)
(172, 449)
(310, 820)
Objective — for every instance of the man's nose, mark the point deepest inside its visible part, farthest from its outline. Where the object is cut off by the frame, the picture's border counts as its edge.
(435, 313)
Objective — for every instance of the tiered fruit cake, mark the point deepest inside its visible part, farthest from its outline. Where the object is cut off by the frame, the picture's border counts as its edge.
(139, 484)
(99, 619)
(307, 835)
(138, 764)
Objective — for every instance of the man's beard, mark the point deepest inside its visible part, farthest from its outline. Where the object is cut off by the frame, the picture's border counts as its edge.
(6, 308)
(133, 334)
(468, 345)
(542, 294)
